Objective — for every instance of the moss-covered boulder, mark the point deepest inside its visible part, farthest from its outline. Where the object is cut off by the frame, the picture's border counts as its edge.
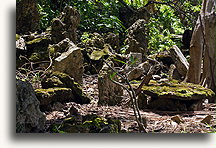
(58, 80)
(178, 90)
(37, 47)
(51, 95)
(173, 95)
(87, 124)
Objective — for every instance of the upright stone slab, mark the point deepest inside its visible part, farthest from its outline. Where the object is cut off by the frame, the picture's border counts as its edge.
(109, 92)
(65, 26)
(71, 63)
(137, 37)
(181, 62)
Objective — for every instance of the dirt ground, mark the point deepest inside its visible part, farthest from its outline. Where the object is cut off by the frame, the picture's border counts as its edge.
(156, 121)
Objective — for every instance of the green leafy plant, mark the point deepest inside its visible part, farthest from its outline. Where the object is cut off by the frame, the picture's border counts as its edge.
(96, 16)
(162, 27)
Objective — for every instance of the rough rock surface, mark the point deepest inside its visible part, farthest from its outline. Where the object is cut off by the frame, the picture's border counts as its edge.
(113, 40)
(60, 87)
(172, 95)
(135, 68)
(139, 71)
(109, 93)
(29, 118)
(52, 95)
(56, 49)
(88, 124)
(181, 62)
(134, 60)
(71, 63)
(27, 18)
(65, 26)
(137, 37)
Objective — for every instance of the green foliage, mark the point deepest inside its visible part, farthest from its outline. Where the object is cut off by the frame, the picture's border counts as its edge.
(85, 37)
(47, 12)
(99, 16)
(136, 3)
(97, 123)
(162, 28)
(96, 16)
(103, 16)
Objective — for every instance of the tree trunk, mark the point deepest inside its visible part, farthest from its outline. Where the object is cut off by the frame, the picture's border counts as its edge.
(202, 48)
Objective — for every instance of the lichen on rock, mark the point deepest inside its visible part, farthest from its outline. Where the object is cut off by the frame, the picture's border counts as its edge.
(174, 95)
(58, 80)
(87, 124)
(29, 118)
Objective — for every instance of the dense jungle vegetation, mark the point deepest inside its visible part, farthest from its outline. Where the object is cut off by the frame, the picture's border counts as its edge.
(166, 18)
(115, 66)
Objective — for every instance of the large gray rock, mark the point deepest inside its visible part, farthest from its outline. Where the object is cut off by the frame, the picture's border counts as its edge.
(71, 63)
(65, 26)
(137, 37)
(29, 118)
(109, 92)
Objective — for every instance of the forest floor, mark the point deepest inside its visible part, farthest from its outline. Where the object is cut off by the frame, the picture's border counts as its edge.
(157, 121)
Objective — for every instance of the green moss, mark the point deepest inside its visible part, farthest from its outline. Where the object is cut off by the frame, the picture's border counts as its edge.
(65, 80)
(51, 49)
(37, 40)
(174, 89)
(35, 56)
(51, 90)
(50, 95)
(38, 56)
(88, 124)
(17, 37)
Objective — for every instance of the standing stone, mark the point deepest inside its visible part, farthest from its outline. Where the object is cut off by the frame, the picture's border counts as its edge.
(65, 26)
(109, 92)
(137, 37)
(29, 118)
(71, 63)
(113, 40)
(181, 62)
(27, 18)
